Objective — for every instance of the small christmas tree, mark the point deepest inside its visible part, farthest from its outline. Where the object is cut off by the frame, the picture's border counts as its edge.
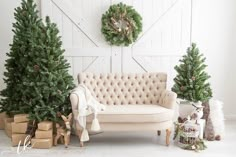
(191, 80)
(26, 29)
(37, 76)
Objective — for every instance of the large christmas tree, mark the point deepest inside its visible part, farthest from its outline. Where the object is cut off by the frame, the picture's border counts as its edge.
(52, 82)
(191, 82)
(37, 78)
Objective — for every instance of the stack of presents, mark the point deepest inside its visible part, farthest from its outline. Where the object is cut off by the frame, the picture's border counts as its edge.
(17, 128)
(43, 136)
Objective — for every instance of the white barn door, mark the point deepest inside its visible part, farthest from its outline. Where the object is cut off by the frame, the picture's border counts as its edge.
(165, 37)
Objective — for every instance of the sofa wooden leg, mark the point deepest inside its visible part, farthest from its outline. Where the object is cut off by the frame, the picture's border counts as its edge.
(81, 144)
(168, 132)
(79, 136)
(158, 132)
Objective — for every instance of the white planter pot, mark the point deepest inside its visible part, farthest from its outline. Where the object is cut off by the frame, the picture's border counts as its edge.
(185, 108)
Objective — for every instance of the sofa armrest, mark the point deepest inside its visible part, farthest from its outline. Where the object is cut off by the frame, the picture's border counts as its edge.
(74, 105)
(168, 99)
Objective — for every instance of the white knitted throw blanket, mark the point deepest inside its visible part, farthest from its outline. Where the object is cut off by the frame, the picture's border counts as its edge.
(87, 105)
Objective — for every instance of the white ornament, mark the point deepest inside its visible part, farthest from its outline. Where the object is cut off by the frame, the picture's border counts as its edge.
(198, 112)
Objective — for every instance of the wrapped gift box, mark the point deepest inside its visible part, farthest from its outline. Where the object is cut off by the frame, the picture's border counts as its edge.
(7, 125)
(19, 118)
(2, 117)
(19, 127)
(40, 134)
(45, 125)
(41, 143)
(16, 138)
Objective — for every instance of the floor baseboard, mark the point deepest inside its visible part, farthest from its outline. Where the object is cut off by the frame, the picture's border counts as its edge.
(230, 117)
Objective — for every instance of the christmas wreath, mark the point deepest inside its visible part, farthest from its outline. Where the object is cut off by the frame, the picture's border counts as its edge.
(121, 24)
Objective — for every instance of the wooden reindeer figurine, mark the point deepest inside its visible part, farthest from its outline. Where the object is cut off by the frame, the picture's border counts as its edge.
(64, 131)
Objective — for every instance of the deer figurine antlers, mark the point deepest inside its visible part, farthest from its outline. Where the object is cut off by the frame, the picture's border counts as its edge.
(64, 131)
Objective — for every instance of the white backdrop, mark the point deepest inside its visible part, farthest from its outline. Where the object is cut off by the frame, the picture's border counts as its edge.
(165, 36)
(162, 42)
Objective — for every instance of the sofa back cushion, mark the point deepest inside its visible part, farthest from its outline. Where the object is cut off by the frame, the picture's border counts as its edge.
(124, 89)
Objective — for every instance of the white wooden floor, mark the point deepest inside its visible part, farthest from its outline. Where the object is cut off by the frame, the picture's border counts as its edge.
(140, 144)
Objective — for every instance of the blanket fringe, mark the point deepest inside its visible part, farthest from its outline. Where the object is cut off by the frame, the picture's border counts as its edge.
(84, 135)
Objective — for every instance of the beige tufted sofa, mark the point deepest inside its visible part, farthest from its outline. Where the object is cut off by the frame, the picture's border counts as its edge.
(135, 102)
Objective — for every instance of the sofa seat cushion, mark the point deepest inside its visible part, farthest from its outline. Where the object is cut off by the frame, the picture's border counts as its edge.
(133, 114)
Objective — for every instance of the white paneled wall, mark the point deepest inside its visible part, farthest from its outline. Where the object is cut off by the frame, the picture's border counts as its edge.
(158, 49)
(165, 36)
